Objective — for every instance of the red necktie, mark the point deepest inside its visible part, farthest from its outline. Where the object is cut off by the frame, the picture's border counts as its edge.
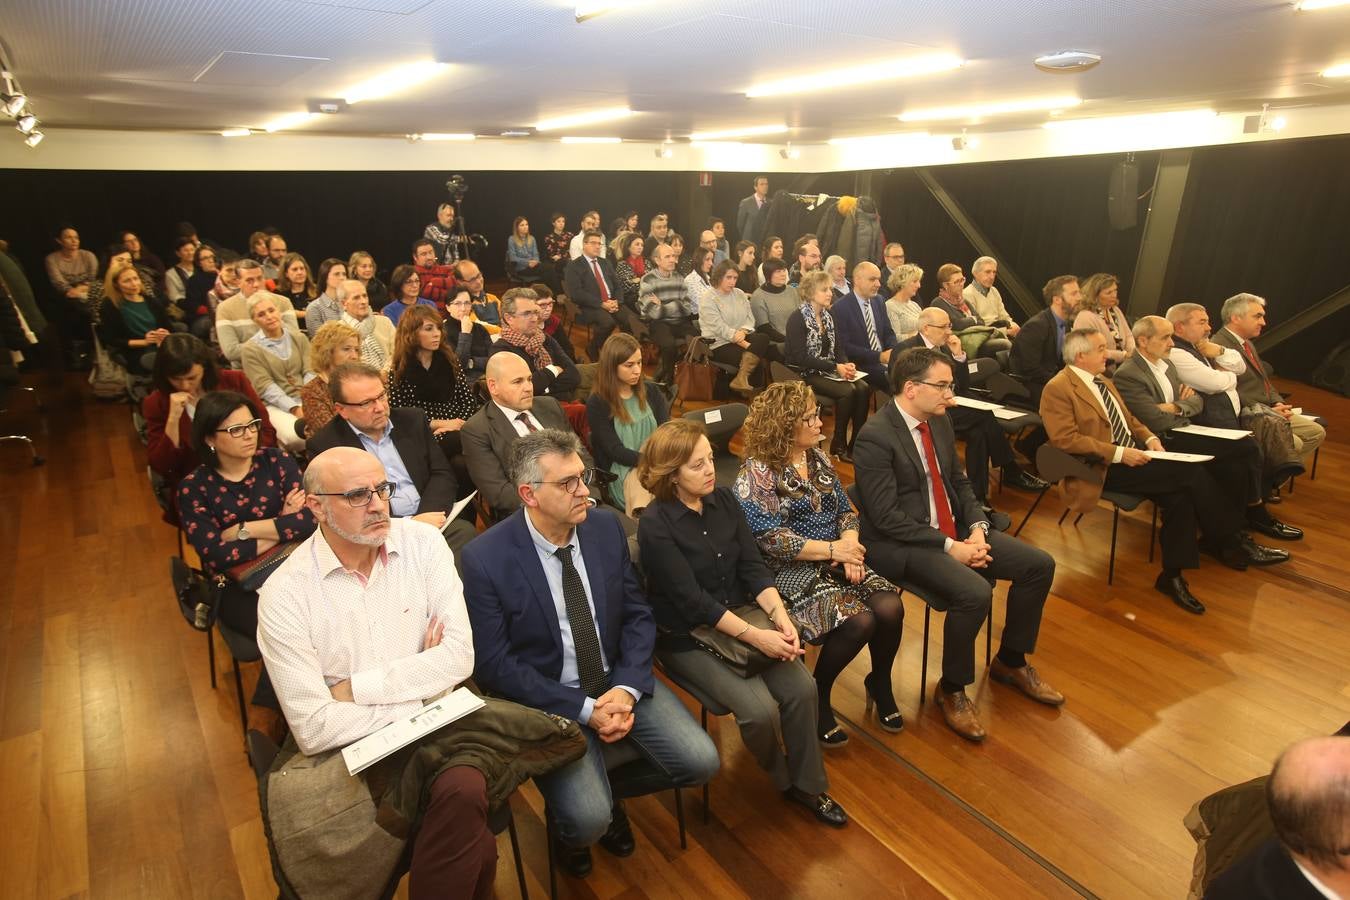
(600, 279)
(524, 419)
(945, 523)
(1256, 363)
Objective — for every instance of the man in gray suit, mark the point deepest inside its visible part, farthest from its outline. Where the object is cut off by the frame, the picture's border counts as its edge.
(1153, 392)
(489, 434)
(931, 533)
(750, 225)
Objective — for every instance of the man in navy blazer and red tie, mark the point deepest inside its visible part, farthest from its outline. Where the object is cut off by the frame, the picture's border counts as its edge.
(560, 624)
(594, 287)
(863, 328)
(930, 532)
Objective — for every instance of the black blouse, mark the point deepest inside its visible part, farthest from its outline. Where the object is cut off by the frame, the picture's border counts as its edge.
(473, 353)
(698, 565)
(437, 391)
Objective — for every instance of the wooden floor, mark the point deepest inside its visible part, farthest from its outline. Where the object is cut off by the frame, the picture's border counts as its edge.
(123, 772)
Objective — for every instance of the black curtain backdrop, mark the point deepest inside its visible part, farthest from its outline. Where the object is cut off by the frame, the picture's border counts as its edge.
(1266, 218)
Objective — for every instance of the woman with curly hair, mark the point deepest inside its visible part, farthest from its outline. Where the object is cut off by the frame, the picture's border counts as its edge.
(334, 344)
(426, 374)
(808, 534)
(1100, 310)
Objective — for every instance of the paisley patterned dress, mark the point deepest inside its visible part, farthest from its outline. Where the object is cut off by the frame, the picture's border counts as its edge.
(785, 512)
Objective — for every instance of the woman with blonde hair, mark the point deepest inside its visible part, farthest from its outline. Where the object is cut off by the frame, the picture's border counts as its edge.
(709, 588)
(902, 309)
(1100, 310)
(361, 266)
(131, 324)
(837, 268)
(276, 361)
(808, 534)
(334, 344)
(623, 410)
(813, 350)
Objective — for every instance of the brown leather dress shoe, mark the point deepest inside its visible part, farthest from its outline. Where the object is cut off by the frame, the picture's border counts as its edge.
(959, 714)
(1027, 681)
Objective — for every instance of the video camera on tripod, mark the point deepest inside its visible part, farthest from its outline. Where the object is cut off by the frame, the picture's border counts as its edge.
(471, 245)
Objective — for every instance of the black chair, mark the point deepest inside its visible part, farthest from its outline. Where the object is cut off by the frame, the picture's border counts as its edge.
(1054, 465)
(982, 369)
(722, 423)
(262, 752)
(706, 705)
(780, 372)
(9, 381)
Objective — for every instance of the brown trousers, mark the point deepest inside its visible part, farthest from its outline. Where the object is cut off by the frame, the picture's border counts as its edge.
(454, 853)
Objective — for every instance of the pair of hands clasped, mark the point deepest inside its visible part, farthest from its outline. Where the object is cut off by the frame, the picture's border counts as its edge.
(850, 554)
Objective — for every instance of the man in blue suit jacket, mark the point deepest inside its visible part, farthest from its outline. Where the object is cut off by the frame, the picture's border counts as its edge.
(850, 326)
(561, 624)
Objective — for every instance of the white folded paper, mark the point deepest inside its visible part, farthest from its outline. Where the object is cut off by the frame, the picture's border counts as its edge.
(1004, 412)
(1228, 434)
(1178, 457)
(457, 509)
(396, 735)
(977, 404)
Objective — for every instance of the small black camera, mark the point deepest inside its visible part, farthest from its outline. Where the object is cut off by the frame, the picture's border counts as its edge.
(457, 187)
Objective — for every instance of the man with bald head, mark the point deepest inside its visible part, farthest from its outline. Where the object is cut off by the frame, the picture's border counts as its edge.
(512, 410)
(363, 624)
(1153, 391)
(1308, 795)
(862, 326)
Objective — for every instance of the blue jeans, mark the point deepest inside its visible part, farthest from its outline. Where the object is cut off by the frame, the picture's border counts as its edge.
(664, 734)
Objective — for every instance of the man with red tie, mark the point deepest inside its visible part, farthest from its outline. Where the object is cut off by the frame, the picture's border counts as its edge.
(923, 526)
(591, 283)
(1244, 316)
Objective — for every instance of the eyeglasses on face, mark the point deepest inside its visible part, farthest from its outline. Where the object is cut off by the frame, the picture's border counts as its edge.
(573, 483)
(812, 415)
(358, 497)
(366, 404)
(945, 387)
(238, 431)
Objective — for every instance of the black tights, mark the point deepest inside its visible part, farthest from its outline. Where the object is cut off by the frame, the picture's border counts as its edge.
(879, 628)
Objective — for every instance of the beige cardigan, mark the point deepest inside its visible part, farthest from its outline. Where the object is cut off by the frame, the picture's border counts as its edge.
(264, 369)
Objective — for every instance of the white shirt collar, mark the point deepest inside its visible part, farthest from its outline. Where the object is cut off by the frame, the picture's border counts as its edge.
(1314, 881)
(327, 561)
(910, 421)
(513, 415)
(1087, 377)
(547, 547)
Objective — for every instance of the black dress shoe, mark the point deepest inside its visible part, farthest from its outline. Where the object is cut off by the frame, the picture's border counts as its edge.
(822, 806)
(1277, 530)
(618, 840)
(1024, 481)
(1000, 521)
(1180, 592)
(575, 861)
(1274, 496)
(1231, 555)
(1261, 555)
(839, 450)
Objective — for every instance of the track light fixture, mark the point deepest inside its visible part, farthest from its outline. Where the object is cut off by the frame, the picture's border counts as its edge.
(27, 122)
(34, 139)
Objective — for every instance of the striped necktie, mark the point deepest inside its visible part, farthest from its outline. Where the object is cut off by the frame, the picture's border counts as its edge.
(871, 326)
(1120, 435)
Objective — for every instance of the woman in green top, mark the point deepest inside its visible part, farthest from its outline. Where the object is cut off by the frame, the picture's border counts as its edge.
(622, 411)
(130, 325)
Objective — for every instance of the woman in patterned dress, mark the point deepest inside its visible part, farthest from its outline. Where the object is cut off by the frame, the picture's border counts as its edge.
(808, 534)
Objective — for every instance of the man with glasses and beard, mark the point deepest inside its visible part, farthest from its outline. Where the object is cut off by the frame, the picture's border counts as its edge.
(401, 440)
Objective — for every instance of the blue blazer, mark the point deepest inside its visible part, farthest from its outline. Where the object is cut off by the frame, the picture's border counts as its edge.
(516, 640)
(851, 332)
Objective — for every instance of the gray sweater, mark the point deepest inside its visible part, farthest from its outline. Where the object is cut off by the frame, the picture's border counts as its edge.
(720, 316)
(773, 309)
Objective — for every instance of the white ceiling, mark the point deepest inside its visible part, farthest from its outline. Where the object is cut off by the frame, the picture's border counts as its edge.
(682, 64)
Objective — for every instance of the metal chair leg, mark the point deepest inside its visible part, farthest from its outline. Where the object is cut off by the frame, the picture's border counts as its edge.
(239, 692)
(515, 852)
(1034, 504)
(679, 817)
(703, 718)
(1111, 567)
(1152, 532)
(923, 666)
(1312, 476)
(1076, 519)
(1063, 516)
(552, 870)
(211, 655)
(989, 635)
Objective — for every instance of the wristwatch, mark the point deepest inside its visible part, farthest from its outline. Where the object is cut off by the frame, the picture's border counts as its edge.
(243, 532)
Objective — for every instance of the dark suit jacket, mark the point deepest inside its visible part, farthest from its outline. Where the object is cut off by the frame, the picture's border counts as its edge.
(749, 221)
(487, 438)
(425, 460)
(960, 370)
(562, 386)
(579, 282)
(1267, 873)
(1141, 393)
(516, 639)
(1251, 384)
(960, 321)
(1035, 352)
(894, 489)
(851, 332)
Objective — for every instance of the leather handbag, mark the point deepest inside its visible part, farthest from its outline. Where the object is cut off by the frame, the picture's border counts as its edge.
(251, 575)
(695, 375)
(739, 657)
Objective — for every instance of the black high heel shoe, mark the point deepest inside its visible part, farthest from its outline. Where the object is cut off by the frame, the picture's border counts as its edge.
(888, 714)
(831, 735)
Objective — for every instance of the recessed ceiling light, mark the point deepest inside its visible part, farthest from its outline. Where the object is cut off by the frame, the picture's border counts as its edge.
(1067, 61)
(589, 9)
(236, 132)
(587, 118)
(591, 140)
(288, 121)
(515, 134)
(1310, 5)
(34, 139)
(748, 131)
(399, 78)
(980, 110)
(446, 136)
(1340, 70)
(908, 67)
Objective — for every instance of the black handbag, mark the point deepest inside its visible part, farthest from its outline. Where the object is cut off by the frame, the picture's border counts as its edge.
(251, 575)
(737, 656)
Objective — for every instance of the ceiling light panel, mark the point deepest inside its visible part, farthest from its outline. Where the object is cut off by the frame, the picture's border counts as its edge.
(749, 131)
(1311, 5)
(889, 70)
(571, 139)
(985, 110)
(577, 120)
(446, 136)
(396, 80)
(289, 121)
(1340, 70)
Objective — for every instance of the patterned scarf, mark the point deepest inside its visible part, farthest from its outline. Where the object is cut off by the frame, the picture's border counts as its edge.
(533, 345)
(816, 338)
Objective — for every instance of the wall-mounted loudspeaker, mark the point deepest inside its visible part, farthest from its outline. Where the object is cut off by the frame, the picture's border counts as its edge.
(1122, 195)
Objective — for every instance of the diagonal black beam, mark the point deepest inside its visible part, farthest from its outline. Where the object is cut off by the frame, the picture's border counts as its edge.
(1327, 306)
(1017, 289)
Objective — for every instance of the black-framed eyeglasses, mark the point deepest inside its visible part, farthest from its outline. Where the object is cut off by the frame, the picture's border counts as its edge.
(946, 387)
(237, 431)
(573, 483)
(358, 497)
(944, 327)
(365, 404)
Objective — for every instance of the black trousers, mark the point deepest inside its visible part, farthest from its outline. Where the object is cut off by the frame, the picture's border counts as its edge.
(985, 443)
(666, 335)
(851, 402)
(602, 324)
(1236, 466)
(968, 592)
(731, 353)
(1188, 497)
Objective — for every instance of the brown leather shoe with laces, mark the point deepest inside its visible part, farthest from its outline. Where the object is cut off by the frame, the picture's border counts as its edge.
(1026, 680)
(959, 714)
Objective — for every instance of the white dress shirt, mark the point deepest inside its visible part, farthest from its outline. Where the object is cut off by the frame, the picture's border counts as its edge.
(933, 484)
(1091, 381)
(320, 623)
(518, 425)
(1160, 375)
(1208, 380)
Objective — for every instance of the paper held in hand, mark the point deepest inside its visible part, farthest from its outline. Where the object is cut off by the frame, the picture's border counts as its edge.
(1228, 434)
(398, 734)
(457, 509)
(1178, 457)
